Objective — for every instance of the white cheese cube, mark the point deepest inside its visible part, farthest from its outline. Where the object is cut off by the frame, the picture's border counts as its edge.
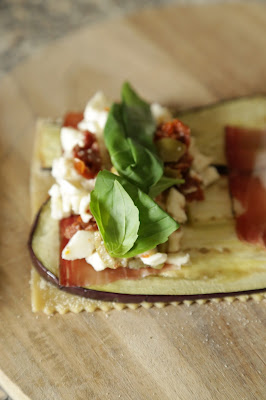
(96, 262)
(81, 245)
(175, 204)
(177, 259)
(154, 260)
(209, 175)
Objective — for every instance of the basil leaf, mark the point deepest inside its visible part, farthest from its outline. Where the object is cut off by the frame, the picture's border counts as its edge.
(130, 158)
(115, 213)
(155, 225)
(163, 184)
(139, 122)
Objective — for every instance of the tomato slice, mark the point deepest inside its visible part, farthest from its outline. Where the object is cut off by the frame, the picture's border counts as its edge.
(246, 157)
(80, 273)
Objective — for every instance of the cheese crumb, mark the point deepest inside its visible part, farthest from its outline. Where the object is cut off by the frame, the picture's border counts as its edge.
(95, 114)
(175, 205)
(70, 137)
(160, 114)
(154, 260)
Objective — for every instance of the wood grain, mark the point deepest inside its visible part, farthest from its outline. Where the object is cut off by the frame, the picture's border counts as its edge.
(177, 55)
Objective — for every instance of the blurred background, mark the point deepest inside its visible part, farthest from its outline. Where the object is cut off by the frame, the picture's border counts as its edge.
(26, 26)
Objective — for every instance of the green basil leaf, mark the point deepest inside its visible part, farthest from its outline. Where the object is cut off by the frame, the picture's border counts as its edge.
(139, 122)
(130, 158)
(164, 183)
(115, 213)
(155, 225)
(147, 168)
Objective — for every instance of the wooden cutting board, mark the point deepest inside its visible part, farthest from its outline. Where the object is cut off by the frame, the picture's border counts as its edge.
(185, 56)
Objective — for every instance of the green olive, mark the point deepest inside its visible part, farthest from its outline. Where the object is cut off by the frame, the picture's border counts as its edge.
(170, 150)
(172, 173)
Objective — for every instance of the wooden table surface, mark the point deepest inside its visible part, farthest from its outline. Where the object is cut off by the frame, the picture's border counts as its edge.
(184, 56)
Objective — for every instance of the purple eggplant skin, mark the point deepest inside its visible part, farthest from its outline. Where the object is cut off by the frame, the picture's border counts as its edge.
(120, 297)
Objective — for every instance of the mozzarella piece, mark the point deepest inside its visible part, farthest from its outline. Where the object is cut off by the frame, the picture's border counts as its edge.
(200, 162)
(154, 260)
(177, 259)
(67, 198)
(175, 205)
(72, 191)
(209, 176)
(95, 114)
(96, 262)
(63, 168)
(81, 245)
(160, 114)
(70, 137)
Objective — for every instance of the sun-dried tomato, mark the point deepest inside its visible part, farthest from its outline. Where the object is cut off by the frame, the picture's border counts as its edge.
(87, 158)
(174, 129)
(72, 119)
(76, 224)
(82, 170)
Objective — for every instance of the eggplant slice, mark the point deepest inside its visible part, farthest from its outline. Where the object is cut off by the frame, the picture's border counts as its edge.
(234, 269)
(220, 264)
(207, 123)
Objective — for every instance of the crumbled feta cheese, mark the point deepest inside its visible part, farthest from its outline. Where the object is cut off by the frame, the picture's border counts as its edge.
(63, 168)
(67, 198)
(175, 205)
(83, 208)
(81, 245)
(56, 203)
(95, 114)
(71, 196)
(71, 192)
(154, 260)
(160, 114)
(70, 137)
(177, 259)
(96, 262)
(209, 175)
